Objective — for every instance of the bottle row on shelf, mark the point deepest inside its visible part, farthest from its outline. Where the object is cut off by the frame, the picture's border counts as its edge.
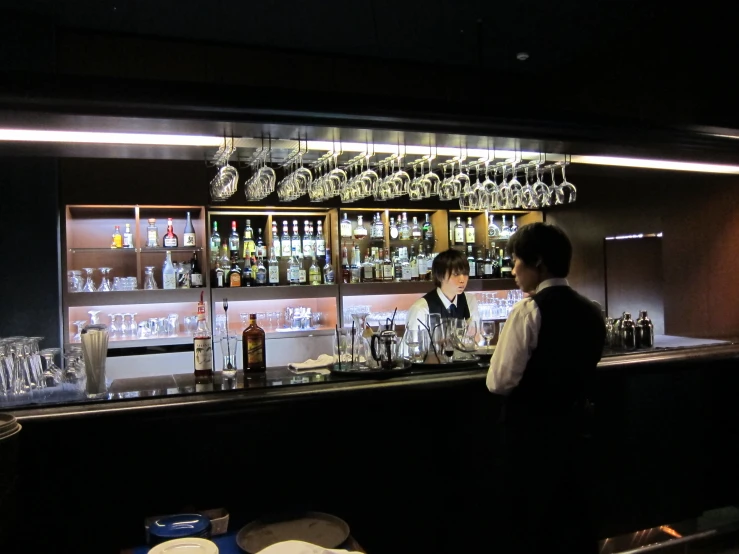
(169, 240)
(397, 230)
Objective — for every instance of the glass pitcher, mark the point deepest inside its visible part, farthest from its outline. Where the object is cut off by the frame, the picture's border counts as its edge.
(385, 349)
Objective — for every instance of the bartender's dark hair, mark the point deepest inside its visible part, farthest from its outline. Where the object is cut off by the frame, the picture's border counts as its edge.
(448, 262)
(542, 243)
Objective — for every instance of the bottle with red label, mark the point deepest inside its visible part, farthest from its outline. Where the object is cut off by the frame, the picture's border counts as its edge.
(203, 342)
(170, 239)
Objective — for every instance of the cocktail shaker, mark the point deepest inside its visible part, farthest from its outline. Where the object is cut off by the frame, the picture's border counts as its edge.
(95, 351)
(644, 331)
(628, 332)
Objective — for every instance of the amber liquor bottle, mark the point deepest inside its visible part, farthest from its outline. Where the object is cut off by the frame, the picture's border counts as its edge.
(253, 347)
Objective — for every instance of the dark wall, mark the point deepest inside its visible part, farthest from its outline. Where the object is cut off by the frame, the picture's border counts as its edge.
(30, 281)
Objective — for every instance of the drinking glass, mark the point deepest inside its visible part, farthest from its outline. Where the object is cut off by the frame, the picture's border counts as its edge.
(94, 317)
(174, 324)
(105, 282)
(81, 324)
(144, 330)
(228, 350)
(487, 330)
(541, 190)
(417, 341)
(569, 187)
(556, 189)
(74, 280)
(53, 375)
(89, 286)
(149, 282)
(113, 327)
(75, 378)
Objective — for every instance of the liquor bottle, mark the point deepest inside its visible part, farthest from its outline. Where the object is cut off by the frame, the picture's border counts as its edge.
(414, 264)
(506, 265)
(307, 240)
(368, 268)
(429, 264)
(377, 260)
(274, 268)
(479, 265)
(261, 276)
(493, 229)
(203, 344)
(302, 273)
(215, 243)
(393, 229)
(170, 239)
(628, 332)
(470, 232)
(196, 274)
(152, 234)
(405, 265)
(459, 232)
(421, 264)
(128, 237)
(496, 263)
(285, 245)
(356, 269)
(345, 228)
(514, 227)
(416, 230)
(428, 229)
(360, 231)
(276, 239)
(346, 273)
(380, 233)
(451, 232)
(387, 267)
(405, 229)
(488, 266)
(248, 247)
(261, 248)
(644, 331)
(295, 241)
(233, 241)
(471, 262)
(233, 279)
(293, 269)
(117, 241)
(188, 236)
(169, 277)
(247, 275)
(314, 273)
(219, 275)
(252, 340)
(397, 267)
(505, 231)
(328, 269)
(320, 241)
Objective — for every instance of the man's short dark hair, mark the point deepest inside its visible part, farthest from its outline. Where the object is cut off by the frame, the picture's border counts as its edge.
(448, 262)
(542, 243)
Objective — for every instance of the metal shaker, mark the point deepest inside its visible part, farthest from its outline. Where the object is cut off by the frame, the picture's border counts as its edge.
(644, 331)
(628, 332)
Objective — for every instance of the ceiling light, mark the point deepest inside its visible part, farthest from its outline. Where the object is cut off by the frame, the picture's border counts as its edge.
(655, 164)
(31, 135)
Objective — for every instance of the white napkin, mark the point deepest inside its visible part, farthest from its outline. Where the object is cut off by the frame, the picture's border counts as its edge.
(300, 547)
(314, 365)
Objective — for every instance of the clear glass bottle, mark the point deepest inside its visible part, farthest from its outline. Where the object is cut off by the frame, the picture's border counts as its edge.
(314, 273)
(188, 235)
(128, 237)
(405, 265)
(380, 227)
(169, 277)
(273, 276)
(307, 240)
(514, 227)
(459, 232)
(170, 239)
(416, 232)
(345, 228)
(469, 234)
(254, 352)
(328, 270)
(356, 267)
(215, 243)
(219, 275)
(203, 343)
(248, 246)
(117, 240)
(285, 244)
(261, 276)
(320, 241)
(393, 229)
(295, 241)
(248, 276)
(388, 269)
(421, 261)
(152, 234)
(276, 239)
(302, 273)
(360, 231)
(368, 268)
(293, 268)
(405, 230)
(414, 264)
(505, 230)
(493, 229)
(233, 241)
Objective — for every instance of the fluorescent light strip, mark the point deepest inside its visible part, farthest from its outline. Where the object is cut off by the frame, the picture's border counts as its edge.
(29, 135)
(655, 164)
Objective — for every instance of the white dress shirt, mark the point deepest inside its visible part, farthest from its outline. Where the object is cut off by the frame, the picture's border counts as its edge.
(517, 342)
(420, 309)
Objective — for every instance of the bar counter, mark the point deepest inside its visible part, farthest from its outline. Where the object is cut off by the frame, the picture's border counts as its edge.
(394, 458)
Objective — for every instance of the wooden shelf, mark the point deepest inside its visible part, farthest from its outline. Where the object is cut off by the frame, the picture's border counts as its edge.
(154, 341)
(162, 250)
(113, 298)
(282, 292)
(100, 250)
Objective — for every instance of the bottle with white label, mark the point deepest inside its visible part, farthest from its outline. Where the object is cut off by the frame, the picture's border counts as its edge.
(128, 237)
(169, 277)
(345, 228)
(170, 239)
(470, 232)
(285, 245)
(274, 269)
(188, 237)
(459, 232)
(320, 241)
(152, 234)
(405, 265)
(203, 356)
(293, 269)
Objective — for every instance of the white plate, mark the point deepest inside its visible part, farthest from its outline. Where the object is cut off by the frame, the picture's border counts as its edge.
(185, 546)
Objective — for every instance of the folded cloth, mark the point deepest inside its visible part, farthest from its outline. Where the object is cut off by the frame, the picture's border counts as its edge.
(322, 361)
(300, 547)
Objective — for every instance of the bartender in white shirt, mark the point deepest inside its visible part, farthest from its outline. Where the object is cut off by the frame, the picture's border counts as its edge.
(543, 368)
(450, 272)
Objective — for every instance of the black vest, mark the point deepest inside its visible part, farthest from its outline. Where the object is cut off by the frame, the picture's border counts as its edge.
(436, 306)
(559, 375)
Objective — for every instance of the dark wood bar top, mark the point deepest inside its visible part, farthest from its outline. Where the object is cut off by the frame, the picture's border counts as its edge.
(279, 384)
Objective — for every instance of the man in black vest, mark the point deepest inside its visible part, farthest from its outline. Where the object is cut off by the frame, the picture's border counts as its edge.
(544, 365)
